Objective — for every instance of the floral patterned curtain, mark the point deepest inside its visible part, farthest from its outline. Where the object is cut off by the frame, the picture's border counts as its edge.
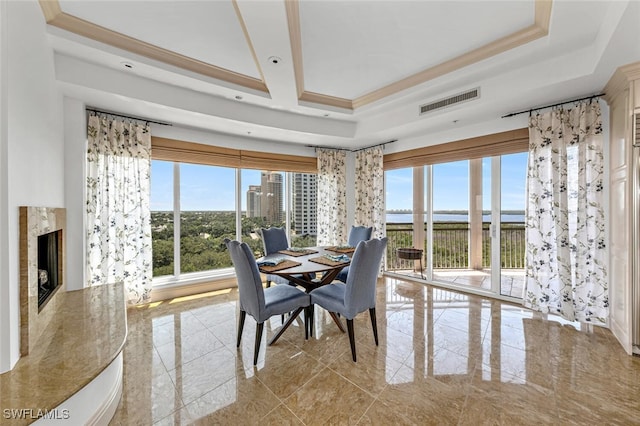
(118, 213)
(370, 190)
(332, 197)
(565, 228)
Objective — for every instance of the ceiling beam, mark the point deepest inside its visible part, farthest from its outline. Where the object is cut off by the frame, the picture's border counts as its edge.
(268, 32)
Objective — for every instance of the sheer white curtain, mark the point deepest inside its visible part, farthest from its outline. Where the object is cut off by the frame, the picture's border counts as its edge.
(118, 214)
(369, 185)
(332, 197)
(566, 270)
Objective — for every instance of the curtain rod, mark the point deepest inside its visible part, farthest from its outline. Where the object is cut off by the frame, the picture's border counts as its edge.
(552, 105)
(373, 146)
(128, 116)
(352, 150)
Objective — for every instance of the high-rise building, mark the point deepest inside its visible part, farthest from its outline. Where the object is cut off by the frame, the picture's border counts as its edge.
(253, 201)
(271, 200)
(304, 203)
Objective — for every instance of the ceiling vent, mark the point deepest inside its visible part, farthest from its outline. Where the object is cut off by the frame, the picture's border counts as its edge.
(450, 101)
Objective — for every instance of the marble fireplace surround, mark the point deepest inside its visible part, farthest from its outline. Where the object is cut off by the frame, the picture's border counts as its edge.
(36, 221)
(71, 361)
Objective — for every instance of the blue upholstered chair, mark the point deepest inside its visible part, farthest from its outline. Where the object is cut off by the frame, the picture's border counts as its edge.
(261, 303)
(356, 234)
(359, 233)
(359, 292)
(274, 240)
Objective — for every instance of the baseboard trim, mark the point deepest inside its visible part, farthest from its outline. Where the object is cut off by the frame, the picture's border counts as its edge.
(172, 291)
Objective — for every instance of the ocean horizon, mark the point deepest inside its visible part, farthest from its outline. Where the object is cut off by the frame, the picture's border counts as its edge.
(451, 217)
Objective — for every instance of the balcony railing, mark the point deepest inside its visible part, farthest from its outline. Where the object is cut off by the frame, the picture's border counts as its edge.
(451, 245)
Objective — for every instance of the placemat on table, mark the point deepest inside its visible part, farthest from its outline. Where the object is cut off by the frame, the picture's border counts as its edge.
(296, 253)
(341, 249)
(325, 261)
(282, 265)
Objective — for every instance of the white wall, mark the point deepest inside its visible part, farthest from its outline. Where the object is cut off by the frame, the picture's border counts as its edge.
(5, 308)
(34, 157)
(75, 137)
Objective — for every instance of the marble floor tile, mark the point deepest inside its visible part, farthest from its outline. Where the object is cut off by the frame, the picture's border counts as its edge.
(443, 357)
(280, 416)
(329, 398)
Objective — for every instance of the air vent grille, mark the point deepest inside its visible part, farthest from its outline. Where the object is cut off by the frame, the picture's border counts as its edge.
(636, 137)
(452, 100)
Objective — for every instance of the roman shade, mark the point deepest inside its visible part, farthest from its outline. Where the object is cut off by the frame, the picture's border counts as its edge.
(502, 143)
(196, 153)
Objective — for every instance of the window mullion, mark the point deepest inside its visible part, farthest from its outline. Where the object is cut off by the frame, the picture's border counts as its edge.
(176, 219)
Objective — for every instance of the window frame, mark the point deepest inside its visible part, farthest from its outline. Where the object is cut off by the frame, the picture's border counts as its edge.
(178, 152)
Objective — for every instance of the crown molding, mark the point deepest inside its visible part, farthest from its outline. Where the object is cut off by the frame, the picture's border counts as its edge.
(56, 17)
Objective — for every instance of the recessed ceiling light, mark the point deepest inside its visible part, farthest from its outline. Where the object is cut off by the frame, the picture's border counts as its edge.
(455, 121)
(274, 60)
(326, 114)
(249, 132)
(238, 97)
(127, 65)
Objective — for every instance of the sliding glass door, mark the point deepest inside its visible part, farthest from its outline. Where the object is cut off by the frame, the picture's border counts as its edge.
(473, 227)
(513, 178)
(450, 242)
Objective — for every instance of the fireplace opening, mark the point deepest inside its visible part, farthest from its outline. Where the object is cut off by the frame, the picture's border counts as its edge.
(49, 268)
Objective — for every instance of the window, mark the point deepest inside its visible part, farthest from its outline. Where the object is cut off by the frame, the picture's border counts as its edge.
(207, 216)
(263, 205)
(162, 217)
(201, 201)
(303, 209)
(473, 198)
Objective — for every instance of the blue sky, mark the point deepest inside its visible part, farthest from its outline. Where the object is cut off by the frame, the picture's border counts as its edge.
(201, 187)
(451, 185)
(213, 188)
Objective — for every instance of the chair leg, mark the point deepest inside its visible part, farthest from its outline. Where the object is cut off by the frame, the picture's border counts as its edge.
(286, 325)
(374, 324)
(268, 283)
(336, 319)
(243, 315)
(259, 328)
(352, 340)
(306, 323)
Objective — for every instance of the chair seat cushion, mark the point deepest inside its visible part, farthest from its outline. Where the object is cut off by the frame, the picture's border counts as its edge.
(330, 297)
(281, 299)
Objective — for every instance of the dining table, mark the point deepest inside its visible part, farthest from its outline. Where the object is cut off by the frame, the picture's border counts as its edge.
(308, 267)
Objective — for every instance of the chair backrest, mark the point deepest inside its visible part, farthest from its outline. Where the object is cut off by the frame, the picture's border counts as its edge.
(360, 293)
(274, 240)
(359, 233)
(248, 276)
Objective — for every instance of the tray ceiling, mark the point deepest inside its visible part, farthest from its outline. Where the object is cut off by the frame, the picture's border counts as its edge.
(341, 54)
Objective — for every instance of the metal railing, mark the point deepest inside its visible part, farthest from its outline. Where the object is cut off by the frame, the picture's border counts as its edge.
(451, 245)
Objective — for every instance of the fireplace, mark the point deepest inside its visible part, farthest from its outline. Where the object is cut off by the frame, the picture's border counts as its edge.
(49, 267)
(41, 270)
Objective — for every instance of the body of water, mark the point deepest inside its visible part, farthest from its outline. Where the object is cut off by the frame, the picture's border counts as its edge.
(450, 217)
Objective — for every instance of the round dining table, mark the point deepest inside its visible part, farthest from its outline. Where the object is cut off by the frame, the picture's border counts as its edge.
(306, 269)
(308, 272)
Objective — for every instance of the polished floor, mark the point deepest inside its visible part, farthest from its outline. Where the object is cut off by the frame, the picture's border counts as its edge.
(511, 280)
(444, 358)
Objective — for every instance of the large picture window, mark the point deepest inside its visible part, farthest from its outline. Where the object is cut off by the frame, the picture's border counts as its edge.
(194, 207)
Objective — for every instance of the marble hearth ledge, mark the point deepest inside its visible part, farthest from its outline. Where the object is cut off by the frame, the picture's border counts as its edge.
(82, 342)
